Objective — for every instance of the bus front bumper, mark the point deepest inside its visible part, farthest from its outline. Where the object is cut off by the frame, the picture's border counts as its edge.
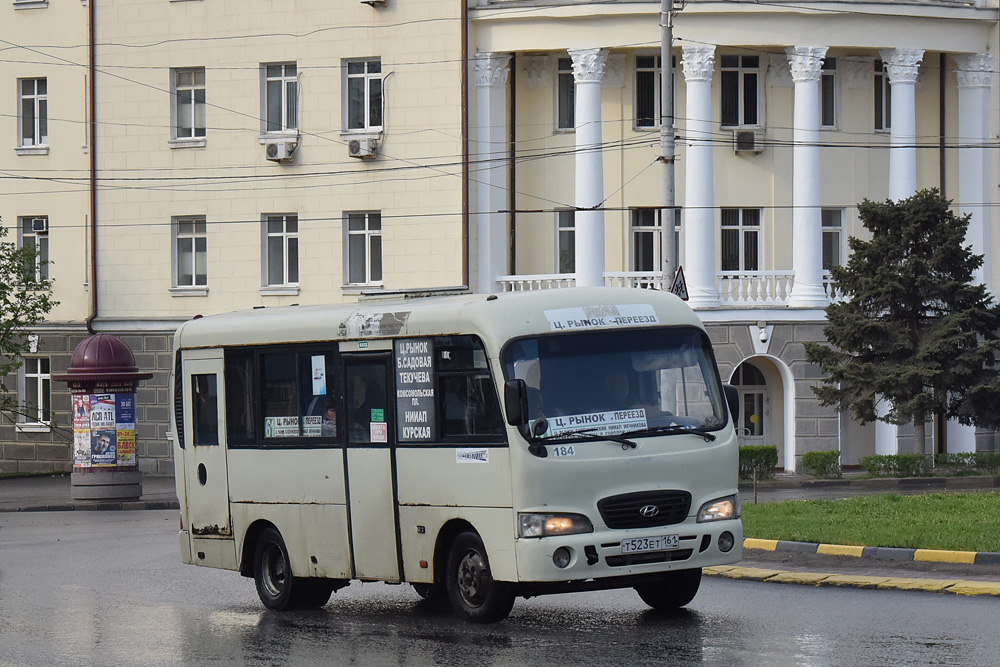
(573, 559)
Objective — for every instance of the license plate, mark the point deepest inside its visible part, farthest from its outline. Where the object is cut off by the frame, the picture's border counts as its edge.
(635, 545)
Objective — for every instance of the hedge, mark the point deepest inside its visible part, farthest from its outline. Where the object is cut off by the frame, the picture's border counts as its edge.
(824, 465)
(760, 458)
(894, 465)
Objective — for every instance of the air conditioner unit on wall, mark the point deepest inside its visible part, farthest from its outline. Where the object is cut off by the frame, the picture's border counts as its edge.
(279, 151)
(363, 147)
(748, 141)
(40, 225)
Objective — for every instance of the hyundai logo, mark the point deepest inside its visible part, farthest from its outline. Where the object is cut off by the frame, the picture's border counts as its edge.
(649, 511)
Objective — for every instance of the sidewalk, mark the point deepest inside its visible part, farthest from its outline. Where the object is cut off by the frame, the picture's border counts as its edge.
(964, 573)
(53, 493)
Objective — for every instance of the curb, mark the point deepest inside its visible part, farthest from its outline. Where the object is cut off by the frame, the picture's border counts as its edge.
(970, 483)
(99, 505)
(953, 586)
(876, 553)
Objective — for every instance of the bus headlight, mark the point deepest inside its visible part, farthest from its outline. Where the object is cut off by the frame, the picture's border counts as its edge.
(718, 510)
(544, 525)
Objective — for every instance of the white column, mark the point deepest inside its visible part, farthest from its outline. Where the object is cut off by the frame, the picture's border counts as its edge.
(807, 222)
(490, 172)
(974, 73)
(975, 76)
(699, 192)
(903, 65)
(588, 70)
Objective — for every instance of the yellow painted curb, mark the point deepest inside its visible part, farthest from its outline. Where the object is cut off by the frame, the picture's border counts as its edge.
(809, 578)
(750, 573)
(975, 588)
(840, 550)
(902, 584)
(756, 543)
(718, 570)
(853, 581)
(939, 556)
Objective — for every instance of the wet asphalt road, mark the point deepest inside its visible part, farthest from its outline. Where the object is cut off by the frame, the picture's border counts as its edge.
(108, 588)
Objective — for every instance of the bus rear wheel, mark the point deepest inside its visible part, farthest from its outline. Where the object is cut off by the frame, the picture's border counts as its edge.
(474, 594)
(674, 591)
(276, 587)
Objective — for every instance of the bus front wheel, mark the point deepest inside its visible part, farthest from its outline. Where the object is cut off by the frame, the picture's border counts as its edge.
(276, 587)
(676, 590)
(474, 594)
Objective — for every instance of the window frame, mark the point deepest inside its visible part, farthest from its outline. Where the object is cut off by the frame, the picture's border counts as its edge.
(368, 78)
(39, 140)
(744, 231)
(177, 89)
(742, 71)
(829, 95)
(565, 98)
(288, 103)
(368, 234)
(289, 245)
(655, 231)
(882, 97)
(565, 231)
(199, 232)
(41, 419)
(39, 240)
(836, 233)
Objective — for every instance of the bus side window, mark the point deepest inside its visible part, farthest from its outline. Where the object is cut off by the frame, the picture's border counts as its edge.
(205, 409)
(468, 405)
(239, 399)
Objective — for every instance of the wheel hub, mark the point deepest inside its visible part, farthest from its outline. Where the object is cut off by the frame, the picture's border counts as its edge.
(470, 577)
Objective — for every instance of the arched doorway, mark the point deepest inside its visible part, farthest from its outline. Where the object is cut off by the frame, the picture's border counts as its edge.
(755, 408)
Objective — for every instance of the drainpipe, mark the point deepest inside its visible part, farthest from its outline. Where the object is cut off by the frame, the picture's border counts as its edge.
(512, 168)
(92, 103)
(464, 79)
(942, 63)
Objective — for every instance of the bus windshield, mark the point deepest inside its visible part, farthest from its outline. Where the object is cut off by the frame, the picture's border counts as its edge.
(619, 381)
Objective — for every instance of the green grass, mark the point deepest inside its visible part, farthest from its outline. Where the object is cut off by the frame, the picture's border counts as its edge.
(952, 521)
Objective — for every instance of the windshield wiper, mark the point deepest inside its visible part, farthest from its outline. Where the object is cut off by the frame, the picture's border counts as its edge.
(674, 429)
(587, 433)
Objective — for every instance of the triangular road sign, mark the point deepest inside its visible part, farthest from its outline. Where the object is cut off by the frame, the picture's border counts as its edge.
(679, 287)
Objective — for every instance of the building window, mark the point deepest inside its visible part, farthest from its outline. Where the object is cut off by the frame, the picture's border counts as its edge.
(364, 248)
(364, 94)
(647, 238)
(189, 103)
(37, 391)
(828, 93)
(740, 239)
(281, 250)
(883, 97)
(740, 90)
(832, 227)
(281, 97)
(34, 116)
(647, 90)
(565, 95)
(35, 235)
(566, 241)
(191, 252)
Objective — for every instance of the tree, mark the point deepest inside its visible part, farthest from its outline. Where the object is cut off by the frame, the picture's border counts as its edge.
(25, 300)
(914, 331)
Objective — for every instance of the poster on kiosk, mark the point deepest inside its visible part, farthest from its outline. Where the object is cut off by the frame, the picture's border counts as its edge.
(104, 430)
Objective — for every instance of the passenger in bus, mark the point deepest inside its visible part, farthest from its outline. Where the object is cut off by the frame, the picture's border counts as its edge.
(330, 417)
(617, 388)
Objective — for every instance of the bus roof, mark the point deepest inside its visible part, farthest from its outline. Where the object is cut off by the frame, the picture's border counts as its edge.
(495, 317)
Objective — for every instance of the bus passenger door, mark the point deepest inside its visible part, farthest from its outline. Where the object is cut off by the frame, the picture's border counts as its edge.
(371, 474)
(205, 474)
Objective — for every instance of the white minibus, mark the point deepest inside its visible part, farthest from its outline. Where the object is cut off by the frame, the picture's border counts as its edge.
(478, 447)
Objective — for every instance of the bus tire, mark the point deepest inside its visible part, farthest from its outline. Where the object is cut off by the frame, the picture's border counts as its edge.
(474, 594)
(673, 592)
(272, 573)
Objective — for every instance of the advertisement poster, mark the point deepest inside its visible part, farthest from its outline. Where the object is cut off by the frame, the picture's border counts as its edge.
(81, 430)
(103, 434)
(125, 428)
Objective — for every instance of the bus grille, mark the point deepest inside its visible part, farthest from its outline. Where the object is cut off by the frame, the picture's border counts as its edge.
(627, 510)
(645, 559)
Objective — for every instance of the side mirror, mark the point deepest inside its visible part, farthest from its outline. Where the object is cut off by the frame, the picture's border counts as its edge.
(733, 400)
(515, 402)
